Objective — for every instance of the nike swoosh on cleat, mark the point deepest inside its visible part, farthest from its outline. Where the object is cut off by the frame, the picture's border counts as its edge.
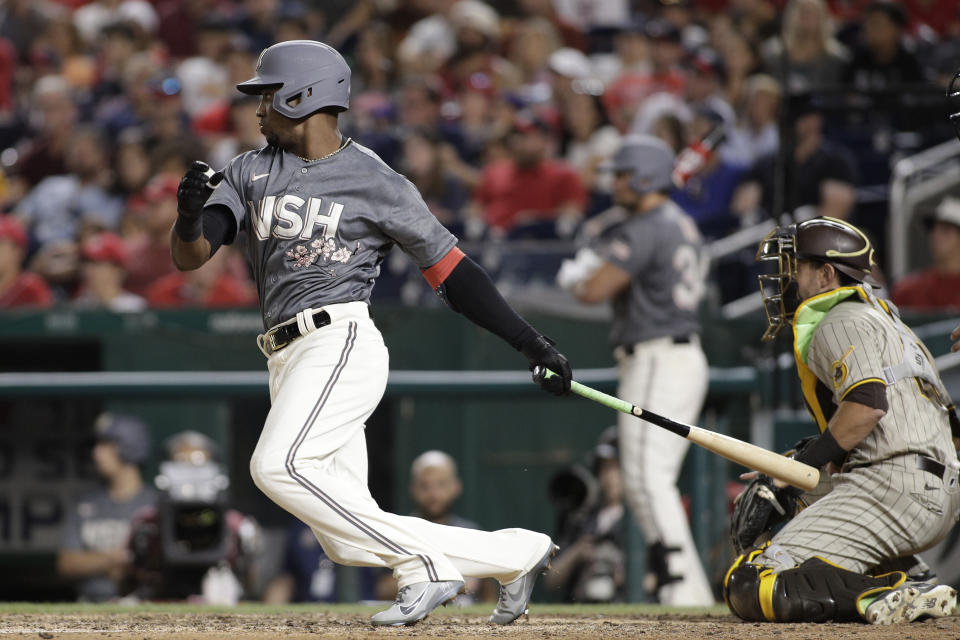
(256, 177)
(406, 610)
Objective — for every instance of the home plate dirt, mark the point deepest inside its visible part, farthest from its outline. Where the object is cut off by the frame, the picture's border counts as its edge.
(302, 624)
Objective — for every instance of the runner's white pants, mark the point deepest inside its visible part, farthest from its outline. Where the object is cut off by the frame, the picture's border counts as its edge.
(671, 380)
(311, 460)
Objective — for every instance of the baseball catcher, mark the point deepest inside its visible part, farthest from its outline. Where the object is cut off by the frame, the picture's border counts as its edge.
(890, 487)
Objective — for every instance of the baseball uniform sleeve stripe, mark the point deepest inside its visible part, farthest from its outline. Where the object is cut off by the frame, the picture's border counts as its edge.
(436, 274)
(316, 491)
(861, 382)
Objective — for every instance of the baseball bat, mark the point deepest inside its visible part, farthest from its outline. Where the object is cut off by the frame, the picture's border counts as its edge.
(749, 455)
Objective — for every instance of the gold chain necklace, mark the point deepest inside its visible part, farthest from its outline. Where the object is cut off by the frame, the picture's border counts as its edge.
(332, 153)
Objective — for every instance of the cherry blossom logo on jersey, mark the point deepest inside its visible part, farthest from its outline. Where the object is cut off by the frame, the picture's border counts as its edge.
(319, 251)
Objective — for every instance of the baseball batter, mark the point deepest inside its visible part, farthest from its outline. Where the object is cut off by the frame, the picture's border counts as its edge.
(887, 427)
(320, 212)
(651, 268)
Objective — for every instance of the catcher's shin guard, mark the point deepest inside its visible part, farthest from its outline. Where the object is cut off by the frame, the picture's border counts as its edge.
(815, 591)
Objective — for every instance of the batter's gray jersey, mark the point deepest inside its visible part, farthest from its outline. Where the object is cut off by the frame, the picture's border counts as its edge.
(662, 252)
(317, 231)
(853, 344)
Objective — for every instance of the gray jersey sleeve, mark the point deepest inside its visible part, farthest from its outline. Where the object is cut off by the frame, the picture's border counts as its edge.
(415, 229)
(627, 247)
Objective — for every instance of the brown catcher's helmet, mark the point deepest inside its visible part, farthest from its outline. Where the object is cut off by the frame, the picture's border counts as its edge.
(822, 239)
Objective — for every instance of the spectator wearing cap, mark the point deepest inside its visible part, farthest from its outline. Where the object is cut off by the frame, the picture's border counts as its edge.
(937, 287)
(151, 218)
(529, 186)
(757, 133)
(116, 47)
(476, 28)
(18, 288)
(429, 42)
(706, 77)
(212, 286)
(102, 276)
(819, 175)
(590, 567)
(93, 550)
(881, 61)
(807, 56)
(680, 13)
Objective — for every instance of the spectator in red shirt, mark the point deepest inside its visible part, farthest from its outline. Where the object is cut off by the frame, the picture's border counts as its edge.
(18, 288)
(149, 248)
(529, 186)
(939, 286)
(211, 286)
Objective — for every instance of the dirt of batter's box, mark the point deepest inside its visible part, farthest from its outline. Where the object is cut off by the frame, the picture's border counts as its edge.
(162, 626)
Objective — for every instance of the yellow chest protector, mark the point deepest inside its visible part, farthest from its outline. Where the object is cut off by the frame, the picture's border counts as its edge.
(916, 362)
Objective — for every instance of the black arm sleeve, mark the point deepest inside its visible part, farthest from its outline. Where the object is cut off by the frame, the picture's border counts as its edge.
(469, 290)
(218, 225)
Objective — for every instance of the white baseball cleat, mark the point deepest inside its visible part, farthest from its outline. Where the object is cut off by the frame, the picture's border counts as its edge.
(515, 597)
(415, 601)
(910, 601)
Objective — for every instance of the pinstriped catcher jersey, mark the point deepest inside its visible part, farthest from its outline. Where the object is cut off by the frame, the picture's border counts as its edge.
(316, 232)
(855, 343)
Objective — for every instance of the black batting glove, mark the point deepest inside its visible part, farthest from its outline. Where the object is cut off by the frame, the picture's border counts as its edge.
(195, 188)
(192, 194)
(540, 352)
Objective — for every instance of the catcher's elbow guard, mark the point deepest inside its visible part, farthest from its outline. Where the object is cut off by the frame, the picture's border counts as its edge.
(815, 591)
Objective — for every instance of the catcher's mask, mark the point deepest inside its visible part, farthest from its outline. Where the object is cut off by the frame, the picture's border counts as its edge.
(823, 239)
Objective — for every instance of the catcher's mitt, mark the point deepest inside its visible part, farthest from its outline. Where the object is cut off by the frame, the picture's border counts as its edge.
(758, 509)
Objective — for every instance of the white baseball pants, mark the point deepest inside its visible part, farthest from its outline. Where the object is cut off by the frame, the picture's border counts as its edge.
(671, 380)
(311, 460)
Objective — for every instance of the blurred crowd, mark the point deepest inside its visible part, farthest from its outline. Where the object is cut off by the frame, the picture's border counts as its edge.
(503, 114)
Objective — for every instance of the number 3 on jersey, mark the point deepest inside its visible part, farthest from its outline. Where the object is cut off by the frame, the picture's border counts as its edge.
(292, 218)
(692, 271)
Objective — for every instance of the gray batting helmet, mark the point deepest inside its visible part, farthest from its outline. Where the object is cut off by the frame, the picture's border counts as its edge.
(312, 71)
(649, 159)
(130, 435)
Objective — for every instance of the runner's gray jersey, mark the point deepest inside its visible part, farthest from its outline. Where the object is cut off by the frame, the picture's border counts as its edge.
(662, 252)
(317, 231)
(853, 344)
